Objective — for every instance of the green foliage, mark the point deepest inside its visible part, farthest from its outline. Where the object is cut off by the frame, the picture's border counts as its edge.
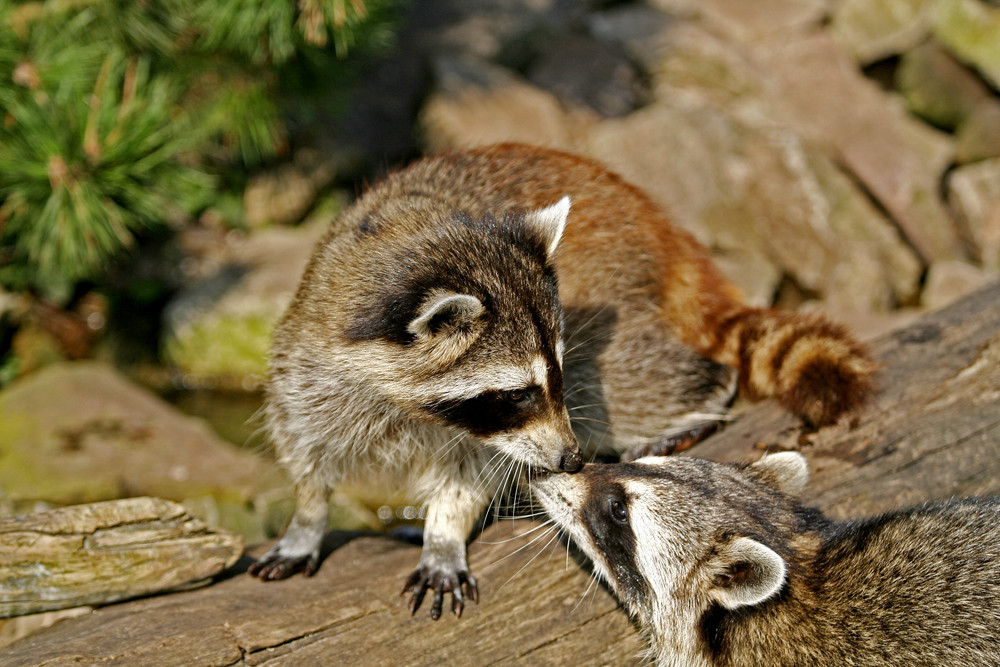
(115, 115)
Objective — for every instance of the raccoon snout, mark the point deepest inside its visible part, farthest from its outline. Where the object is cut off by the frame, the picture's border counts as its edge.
(571, 461)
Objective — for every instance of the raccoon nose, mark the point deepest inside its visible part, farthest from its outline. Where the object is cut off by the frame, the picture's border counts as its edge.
(571, 461)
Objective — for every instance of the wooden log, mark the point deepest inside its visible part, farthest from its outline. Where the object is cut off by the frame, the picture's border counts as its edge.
(537, 607)
(100, 553)
(932, 432)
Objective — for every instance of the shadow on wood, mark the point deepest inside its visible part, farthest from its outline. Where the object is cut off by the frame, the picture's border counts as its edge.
(932, 432)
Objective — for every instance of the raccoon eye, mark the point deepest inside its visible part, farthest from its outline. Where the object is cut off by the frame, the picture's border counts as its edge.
(516, 396)
(618, 511)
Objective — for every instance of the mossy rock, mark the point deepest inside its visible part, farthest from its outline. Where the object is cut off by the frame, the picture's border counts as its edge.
(80, 432)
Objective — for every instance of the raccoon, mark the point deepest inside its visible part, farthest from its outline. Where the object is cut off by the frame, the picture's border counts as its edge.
(720, 565)
(486, 310)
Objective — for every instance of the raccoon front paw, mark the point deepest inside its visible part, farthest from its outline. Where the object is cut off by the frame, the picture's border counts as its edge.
(276, 565)
(456, 580)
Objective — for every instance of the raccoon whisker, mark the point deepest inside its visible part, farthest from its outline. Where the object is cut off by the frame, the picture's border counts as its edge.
(555, 534)
(489, 470)
(530, 516)
(512, 486)
(582, 325)
(496, 468)
(552, 528)
(589, 419)
(447, 448)
(498, 489)
(602, 336)
(584, 407)
(529, 531)
(576, 388)
(591, 589)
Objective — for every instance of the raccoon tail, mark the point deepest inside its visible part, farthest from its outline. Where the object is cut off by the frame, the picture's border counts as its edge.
(809, 364)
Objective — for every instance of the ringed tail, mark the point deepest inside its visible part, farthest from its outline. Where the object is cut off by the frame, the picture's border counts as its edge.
(809, 364)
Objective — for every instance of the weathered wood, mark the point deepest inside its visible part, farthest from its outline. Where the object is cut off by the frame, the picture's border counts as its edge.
(105, 552)
(933, 431)
(540, 613)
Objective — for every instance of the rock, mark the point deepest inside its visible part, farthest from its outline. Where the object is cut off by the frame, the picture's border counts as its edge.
(685, 8)
(971, 30)
(937, 88)
(79, 432)
(875, 269)
(218, 330)
(485, 29)
(757, 277)
(974, 192)
(745, 22)
(583, 72)
(866, 325)
(874, 29)
(32, 348)
(762, 193)
(947, 281)
(978, 138)
(693, 63)
(634, 27)
(284, 194)
(476, 103)
(106, 552)
(898, 159)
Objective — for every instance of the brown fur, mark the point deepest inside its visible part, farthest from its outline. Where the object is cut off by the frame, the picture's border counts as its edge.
(431, 302)
(620, 248)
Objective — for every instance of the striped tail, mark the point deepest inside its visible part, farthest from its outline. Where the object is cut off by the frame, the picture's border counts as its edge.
(810, 365)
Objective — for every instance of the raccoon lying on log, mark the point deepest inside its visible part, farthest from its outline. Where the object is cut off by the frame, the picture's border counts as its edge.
(720, 566)
(482, 312)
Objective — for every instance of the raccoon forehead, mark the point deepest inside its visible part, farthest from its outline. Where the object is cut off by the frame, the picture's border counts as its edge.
(652, 496)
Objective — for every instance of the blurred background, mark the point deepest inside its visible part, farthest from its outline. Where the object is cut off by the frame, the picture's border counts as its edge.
(166, 167)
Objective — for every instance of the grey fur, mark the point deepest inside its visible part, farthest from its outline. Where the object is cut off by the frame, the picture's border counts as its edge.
(720, 565)
(434, 287)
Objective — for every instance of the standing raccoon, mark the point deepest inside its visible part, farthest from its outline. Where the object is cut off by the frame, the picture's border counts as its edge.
(441, 317)
(720, 565)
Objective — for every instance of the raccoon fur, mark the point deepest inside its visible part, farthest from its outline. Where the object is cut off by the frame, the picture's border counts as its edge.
(465, 310)
(720, 565)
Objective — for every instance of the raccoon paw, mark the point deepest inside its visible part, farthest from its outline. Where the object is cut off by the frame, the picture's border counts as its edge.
(276, 565)
(671, 444)
(456, 580)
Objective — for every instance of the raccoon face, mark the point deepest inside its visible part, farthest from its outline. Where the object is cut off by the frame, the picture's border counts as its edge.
(519, 410)
(466, 331)
(663, 534)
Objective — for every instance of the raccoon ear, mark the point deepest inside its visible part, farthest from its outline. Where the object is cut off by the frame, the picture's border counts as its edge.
(445, 312)
(788, 470)
(550, 223)
(747, 574)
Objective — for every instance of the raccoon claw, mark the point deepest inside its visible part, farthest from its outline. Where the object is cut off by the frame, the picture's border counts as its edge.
(673, 443)
(274, 566)
(460, 583)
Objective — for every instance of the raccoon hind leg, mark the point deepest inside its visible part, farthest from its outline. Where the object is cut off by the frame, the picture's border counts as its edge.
(675, 442)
